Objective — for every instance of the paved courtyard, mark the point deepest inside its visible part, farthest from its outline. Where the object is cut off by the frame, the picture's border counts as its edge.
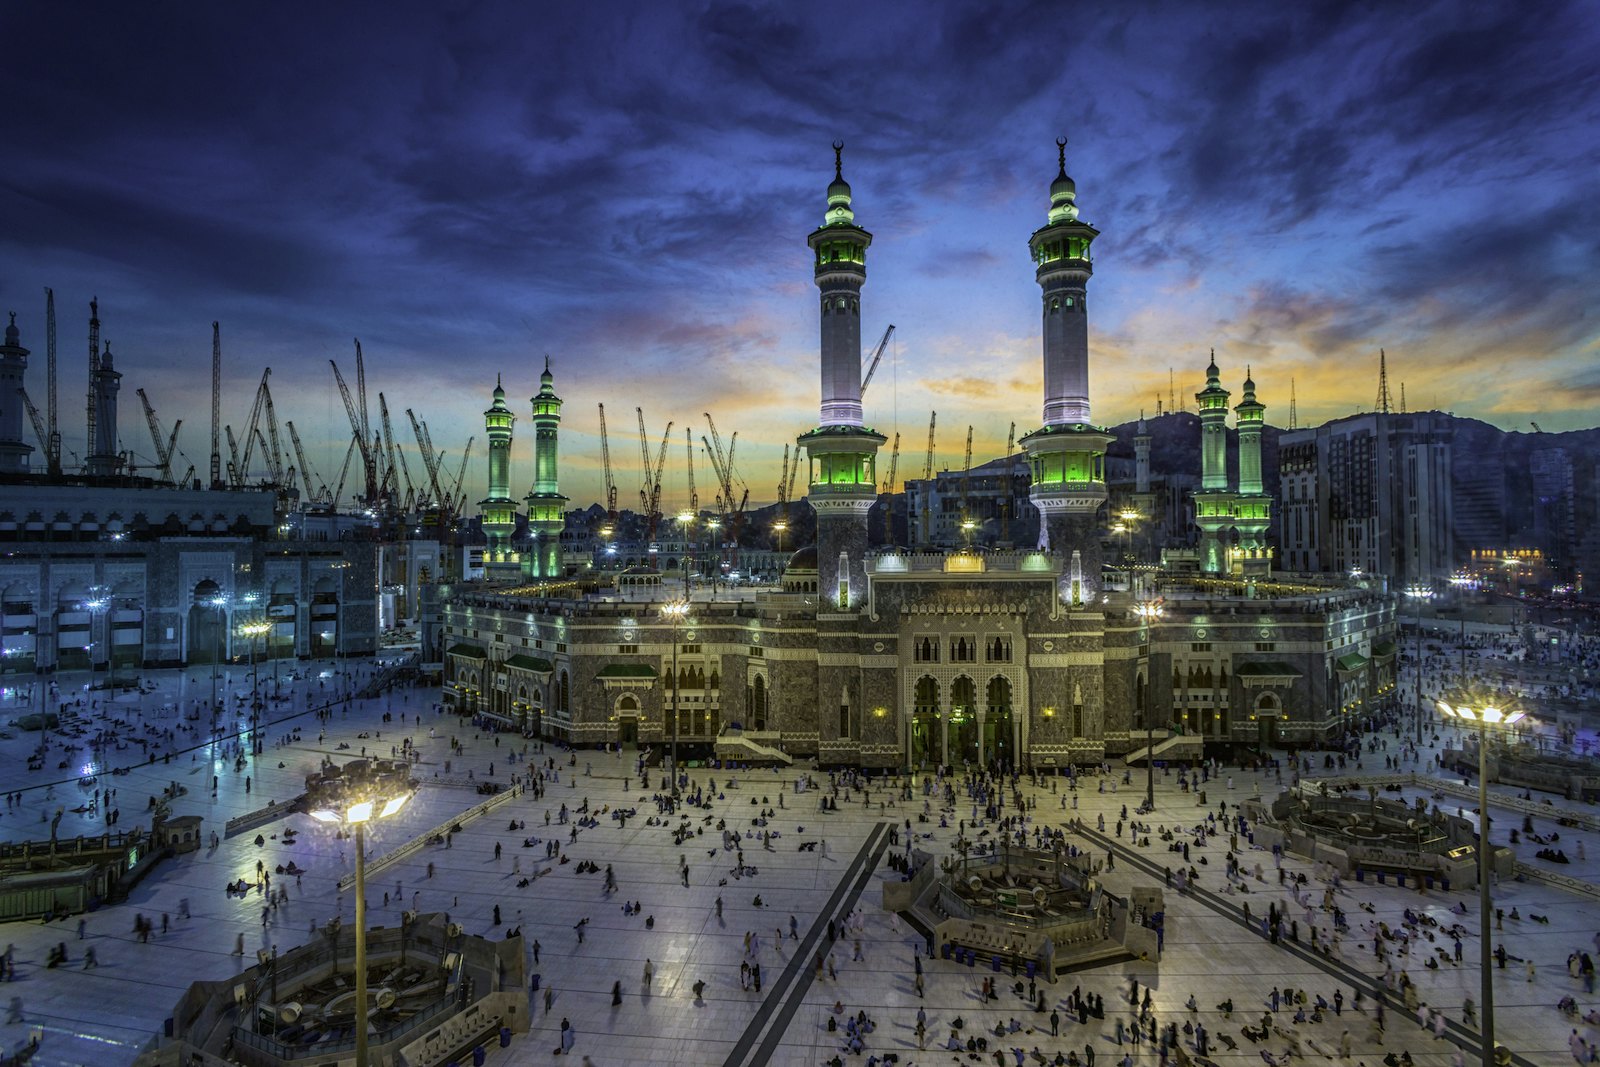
(104, 1016)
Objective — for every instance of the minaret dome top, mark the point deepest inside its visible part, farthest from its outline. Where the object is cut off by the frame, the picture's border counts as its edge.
(1063, 191)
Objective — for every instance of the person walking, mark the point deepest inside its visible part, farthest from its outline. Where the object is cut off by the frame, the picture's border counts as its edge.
(1055, 1023)
(649, 972)
(616, 993)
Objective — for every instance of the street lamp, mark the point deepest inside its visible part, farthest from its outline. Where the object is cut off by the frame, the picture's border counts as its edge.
(675, 612)
(99, 603)
(220, 602)
(1128, 517)
(715, 526)
(778, 528)
(357, 810)
(254, 630)
(686, 524)
(1148, 611)
(1419, 595)
(1483, 715)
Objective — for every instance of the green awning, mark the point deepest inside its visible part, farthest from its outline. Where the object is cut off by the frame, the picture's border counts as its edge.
(1273, 669)
(627, 670)
(469, 651)
(1382, 649)
(524, 662)
(1353, 661)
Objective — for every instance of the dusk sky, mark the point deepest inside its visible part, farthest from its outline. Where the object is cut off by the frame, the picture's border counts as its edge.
(627, 188)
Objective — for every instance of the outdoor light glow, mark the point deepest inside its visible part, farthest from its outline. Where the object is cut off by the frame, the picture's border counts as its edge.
(324, 815)
(394, 805)
(359, 812)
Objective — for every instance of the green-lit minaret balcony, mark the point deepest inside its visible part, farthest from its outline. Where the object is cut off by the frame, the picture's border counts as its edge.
(843, 458)
(1064, 457)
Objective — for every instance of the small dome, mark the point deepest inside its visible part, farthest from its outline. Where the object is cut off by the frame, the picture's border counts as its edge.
(803, 560)
(1212, 372)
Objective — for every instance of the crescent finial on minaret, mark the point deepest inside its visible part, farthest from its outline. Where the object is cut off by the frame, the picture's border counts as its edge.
(838, 159)
(1061, 153)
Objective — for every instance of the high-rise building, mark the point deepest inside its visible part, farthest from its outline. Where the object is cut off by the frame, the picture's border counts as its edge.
(1370, 493)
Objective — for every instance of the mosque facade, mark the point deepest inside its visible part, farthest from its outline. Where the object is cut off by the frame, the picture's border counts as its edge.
(878, 656)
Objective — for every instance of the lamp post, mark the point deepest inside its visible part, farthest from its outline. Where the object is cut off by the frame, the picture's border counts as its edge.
(220, 602)
(373, 804)
(676, 612)
(715, 526)
(686, 524)
(1484, 715)
(1419, 595)
(1149, 610)
(98, 603)
(254, 630)
(1127, 517)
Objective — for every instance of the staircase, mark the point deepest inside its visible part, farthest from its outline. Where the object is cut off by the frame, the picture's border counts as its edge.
(1175, 747)
(736, 745)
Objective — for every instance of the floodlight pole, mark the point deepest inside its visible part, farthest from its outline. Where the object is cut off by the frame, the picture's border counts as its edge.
(361, 946)
(1485, 905)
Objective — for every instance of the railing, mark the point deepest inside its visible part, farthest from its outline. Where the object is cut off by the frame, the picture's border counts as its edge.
(273, 1047)
(260, 817)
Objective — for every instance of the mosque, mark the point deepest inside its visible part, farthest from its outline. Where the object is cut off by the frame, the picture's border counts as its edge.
(878, 656)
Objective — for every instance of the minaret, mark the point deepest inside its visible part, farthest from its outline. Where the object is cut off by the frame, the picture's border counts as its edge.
(105, 461)
(498, 509)
(1213, 505)
(843, 484)
(1066, 456)
(547, 508)
(1252, 506)
(14, 451)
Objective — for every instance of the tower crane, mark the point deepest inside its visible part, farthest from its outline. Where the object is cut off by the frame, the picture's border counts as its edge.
(872, 367)
(52, 447)
(163, 448)
(94, 368)
(1011, 438)
(611, 485)
(783, 485)
(273, 443)
(235, 472)
(888, 489)
(927, 483)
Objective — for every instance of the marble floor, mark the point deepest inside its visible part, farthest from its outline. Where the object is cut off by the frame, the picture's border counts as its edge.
(103, 1016)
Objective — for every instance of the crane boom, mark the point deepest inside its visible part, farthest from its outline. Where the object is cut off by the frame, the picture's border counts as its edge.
(273, 443)
(644, 464)
(653, 511)
(306, 473)
(966, 482)
(344, 470)
(605, 461)
(688, 448)
(429, 460)
(355, 428)
(163, 448)
(461, 473)
(38, 422)
(235, 473)
(872, 368)
(94, 368)
(255, 420)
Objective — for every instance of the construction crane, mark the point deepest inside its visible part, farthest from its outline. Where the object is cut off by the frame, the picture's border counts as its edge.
(966, 486)
(458, 494)
(644, 465)
(1011, 439)
(344, 470)
(52, 447)
(688, 447)
(872, 367)
(235, 472)
(306, 472)
(216, 406)
(927, 483)
(358, 430)
(654, 510)
(429, 460)
(1535, 426)
(273, 444)
(611, 485)
(888, 489)
(94, 368)
(38, 422)
(722, 464)
(164, 448)
(243, 463)
(397, 459)
(783, 485)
